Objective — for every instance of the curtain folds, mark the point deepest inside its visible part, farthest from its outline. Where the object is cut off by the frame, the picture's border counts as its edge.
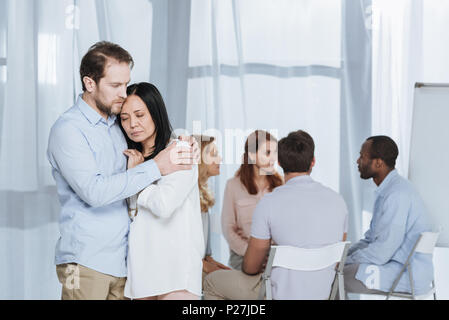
(269, 69)
(41, 44)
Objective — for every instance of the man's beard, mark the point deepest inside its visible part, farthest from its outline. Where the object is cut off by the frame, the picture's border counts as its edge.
(103, 108)
(107, 109)
(364, 176)
(365, 173)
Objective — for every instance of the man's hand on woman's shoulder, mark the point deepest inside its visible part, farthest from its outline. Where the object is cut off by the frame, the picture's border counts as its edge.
(176, 157)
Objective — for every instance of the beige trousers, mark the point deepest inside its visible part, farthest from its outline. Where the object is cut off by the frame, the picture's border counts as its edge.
(231, 285)
(81, 283)
(174, 295)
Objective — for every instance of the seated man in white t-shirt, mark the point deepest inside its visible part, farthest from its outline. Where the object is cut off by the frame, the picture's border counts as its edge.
(301, 213)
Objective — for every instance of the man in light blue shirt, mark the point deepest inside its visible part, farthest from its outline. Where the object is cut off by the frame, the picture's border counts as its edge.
(399, 217)
(86, 151)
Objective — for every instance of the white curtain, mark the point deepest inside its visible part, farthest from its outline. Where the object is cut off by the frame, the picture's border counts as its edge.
(283, 66)
(397, 65)
(41, 43)
(409, 45)
(229, 64)
(45, 41)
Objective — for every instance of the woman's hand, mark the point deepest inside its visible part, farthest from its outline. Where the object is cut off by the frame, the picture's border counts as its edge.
(134, 158)
(210, 265)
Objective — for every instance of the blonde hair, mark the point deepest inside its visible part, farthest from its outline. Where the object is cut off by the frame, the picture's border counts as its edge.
(207, 199)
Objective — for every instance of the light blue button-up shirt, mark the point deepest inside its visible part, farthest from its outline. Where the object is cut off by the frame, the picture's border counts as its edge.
(399, 217)
(88, 164)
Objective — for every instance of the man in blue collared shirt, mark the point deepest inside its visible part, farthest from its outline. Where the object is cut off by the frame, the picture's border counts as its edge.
(399, 217)
(86, 151)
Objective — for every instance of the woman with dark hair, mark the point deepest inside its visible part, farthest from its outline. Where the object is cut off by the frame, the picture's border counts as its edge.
(255, 177)
(166, 244)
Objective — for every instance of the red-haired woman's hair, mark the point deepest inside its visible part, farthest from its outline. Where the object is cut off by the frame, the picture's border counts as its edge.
(246, 170)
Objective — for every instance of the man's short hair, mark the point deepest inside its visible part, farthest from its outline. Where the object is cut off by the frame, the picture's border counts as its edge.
(95, 60)
(383, 147)
(296, 152)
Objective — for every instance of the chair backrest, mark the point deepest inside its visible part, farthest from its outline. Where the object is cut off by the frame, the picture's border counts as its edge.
(426, 242)
(302, 259)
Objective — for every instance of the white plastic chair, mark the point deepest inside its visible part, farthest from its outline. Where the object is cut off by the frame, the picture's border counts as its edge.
(302, 259)
(425, 244)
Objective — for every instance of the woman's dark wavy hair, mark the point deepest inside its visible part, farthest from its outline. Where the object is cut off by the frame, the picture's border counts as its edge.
(152, 98)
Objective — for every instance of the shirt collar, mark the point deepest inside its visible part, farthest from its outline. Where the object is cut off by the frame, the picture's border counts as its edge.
(300, 179)
(387, 181)
(93, 116)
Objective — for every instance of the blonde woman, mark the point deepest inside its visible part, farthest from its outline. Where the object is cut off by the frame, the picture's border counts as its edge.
(209, 167)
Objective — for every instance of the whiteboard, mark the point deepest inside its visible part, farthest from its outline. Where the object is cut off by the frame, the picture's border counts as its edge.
(429, 153)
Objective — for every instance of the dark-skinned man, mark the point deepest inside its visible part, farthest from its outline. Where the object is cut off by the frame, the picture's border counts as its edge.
(399, 217)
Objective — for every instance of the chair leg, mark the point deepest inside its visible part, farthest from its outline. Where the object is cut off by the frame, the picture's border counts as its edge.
(268, 290)
(341, 287)
(412, 286)
(262, 291)
(334, 288)
(434, 290)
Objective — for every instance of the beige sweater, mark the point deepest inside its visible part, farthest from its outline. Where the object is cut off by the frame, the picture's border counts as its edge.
(237, 213)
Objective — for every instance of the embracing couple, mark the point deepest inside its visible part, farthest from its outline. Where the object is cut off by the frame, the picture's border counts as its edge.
(122, 180)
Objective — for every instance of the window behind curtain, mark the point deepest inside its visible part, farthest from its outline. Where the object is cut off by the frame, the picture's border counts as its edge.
(435, 45)
(3, 55)
(269, 65)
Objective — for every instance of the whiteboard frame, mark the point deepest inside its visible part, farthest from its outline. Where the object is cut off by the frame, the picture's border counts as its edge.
(419, 85)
